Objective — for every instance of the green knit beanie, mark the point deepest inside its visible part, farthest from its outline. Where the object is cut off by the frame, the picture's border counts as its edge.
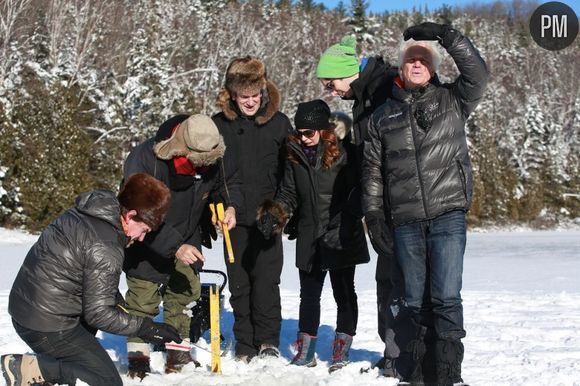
(339, 60)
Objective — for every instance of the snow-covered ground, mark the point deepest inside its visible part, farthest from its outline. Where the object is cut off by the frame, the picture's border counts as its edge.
(522, 315)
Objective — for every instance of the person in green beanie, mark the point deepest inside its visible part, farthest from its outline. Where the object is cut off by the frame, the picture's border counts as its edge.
(369, 84)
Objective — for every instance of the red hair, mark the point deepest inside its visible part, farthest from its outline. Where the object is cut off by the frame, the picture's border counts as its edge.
(330, 143)
(148, 196)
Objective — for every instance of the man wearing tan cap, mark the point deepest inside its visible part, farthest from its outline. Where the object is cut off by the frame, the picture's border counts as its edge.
(187, 154)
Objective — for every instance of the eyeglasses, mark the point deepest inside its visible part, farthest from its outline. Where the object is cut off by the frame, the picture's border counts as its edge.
(329, 86)
(306, 133)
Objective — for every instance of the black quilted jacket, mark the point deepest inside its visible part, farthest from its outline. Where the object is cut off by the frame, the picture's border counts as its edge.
(72, 272)
(416, 161)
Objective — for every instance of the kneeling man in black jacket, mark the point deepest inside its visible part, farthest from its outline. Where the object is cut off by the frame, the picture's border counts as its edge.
(67, 287)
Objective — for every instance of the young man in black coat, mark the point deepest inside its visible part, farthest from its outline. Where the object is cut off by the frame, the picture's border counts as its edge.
(187, 154)
(255, 133)
(369, 85)
(67, 287)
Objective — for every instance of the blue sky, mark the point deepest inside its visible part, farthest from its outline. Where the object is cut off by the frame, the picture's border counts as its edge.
(392, 5)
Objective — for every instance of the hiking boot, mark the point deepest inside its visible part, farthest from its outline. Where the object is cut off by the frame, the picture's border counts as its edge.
(21, 369)
(389, 368)
(138, 367)
(176, 359)
(305, 346)
(243, 358)
(268, 350)
(138, 358)
(340, 349)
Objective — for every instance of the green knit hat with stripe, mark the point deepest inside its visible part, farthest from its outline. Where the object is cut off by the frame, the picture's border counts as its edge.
(339, 60)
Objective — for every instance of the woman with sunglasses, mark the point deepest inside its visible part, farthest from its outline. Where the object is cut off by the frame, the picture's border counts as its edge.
(320, 189)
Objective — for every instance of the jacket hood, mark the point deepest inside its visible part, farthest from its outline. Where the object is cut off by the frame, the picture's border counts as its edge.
(266, 112)
(102, 204)
(376, 74)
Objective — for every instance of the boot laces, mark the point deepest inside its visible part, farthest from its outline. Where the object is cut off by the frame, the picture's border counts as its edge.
(36, 382)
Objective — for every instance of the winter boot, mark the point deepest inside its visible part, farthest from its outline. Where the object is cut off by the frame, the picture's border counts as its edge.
(21, 369)
(390, 368)
(305, 344)
(428, 365)
(448, 359)
(268, 350)
(340, 349)
(138, 356)
(178, 355)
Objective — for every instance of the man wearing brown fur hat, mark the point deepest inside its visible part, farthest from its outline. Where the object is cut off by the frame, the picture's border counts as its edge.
(67, 286)
(187, 154)
(254, 131)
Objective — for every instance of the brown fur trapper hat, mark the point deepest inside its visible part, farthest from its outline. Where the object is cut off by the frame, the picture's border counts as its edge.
(247, 74)
(148, 196)
(277, 210)
(196, 138)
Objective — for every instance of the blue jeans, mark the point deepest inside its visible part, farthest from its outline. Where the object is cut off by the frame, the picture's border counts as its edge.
(67, 355)
(430, 254)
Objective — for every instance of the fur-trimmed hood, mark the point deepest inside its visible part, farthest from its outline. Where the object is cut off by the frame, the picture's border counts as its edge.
(270, 104)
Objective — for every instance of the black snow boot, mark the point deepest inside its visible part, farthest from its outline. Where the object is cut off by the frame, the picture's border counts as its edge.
(428, 365)
(448, 359)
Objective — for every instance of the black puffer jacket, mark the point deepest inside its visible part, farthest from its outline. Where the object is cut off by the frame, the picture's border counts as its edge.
(371, 90)
(416, 151)
(326, 203)
(153, 259)
(72, 272)
(258, 144)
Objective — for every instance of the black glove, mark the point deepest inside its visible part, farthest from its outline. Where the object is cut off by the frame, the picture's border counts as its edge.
(443, 33)
(206, 228)
(158, 333)
(266, 224)
(291, 228)
(379, 233)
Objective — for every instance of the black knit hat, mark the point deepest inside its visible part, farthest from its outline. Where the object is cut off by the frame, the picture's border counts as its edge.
(312, 115)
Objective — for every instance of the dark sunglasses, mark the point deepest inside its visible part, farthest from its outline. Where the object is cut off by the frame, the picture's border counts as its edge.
(307, 133)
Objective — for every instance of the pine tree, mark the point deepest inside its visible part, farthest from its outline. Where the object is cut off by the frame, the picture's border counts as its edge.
(358, 21)
(340, 9)
(49, 180)
(11, 211)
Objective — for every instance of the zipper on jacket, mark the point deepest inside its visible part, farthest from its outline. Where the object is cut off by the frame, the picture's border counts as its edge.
(462, 178)
(421, 185)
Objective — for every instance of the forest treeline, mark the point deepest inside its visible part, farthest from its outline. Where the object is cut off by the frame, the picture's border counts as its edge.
(83, 81)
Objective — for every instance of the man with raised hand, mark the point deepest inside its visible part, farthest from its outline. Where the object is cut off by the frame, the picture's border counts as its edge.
(417, 173)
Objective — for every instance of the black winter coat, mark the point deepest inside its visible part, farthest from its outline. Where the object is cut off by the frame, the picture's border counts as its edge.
(371, 90)
(416, 154)
(153, 259)
(259, 149)
(72, 272)
(326, 206)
